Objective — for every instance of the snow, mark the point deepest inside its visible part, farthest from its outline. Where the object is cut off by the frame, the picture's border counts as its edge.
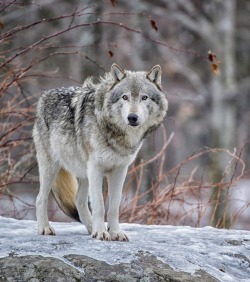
(225, 254)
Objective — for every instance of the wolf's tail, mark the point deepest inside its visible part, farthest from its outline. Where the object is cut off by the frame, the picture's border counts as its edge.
(64, 190)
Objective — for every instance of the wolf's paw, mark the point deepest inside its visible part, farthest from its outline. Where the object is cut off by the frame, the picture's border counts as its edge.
(118, 236)
(103, 236)
(89, 228)
(46, 230)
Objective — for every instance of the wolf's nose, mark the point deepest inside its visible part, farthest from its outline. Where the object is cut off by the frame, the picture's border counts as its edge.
(132, 118)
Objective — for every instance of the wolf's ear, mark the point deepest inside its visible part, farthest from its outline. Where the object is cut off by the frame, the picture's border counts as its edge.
(117, 72)
(154, 75)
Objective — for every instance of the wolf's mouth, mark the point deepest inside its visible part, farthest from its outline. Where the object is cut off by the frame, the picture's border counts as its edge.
(134, 124)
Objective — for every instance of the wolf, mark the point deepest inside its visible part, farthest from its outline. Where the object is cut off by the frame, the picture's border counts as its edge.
(82, 134)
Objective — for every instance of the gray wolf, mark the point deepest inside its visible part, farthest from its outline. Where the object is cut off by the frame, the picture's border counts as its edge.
(82, 134)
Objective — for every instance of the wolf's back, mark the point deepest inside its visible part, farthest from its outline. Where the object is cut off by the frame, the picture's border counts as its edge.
(55, 107)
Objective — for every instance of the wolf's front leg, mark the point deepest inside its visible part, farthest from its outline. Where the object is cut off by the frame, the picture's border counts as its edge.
(82, 203)
(95, 178)
(116, 180)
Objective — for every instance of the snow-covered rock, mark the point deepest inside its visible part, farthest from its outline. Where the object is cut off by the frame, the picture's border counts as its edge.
(154, 253)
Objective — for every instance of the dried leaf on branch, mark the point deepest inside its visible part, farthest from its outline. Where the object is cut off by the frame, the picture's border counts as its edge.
(111, 54)
(214, 63)
(154, 24)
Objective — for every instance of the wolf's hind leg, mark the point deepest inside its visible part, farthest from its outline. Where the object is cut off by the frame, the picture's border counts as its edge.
(82, 203)
(116, 180)
(47, 173)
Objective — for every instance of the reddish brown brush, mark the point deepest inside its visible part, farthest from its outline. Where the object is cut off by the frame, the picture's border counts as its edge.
(180, 199)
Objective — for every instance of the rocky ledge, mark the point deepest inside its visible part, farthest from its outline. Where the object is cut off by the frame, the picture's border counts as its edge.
(154, 253)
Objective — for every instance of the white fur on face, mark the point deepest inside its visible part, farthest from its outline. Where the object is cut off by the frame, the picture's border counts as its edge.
(131, 106)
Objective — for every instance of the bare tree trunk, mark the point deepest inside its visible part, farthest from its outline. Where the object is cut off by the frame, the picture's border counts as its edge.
(223, 112)
(214, 22)
(94, 36)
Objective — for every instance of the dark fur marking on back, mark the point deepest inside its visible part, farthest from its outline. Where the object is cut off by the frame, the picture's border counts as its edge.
(87, 99)
(57, 105)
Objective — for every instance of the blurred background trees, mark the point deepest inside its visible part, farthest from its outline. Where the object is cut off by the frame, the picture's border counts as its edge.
(178, 178)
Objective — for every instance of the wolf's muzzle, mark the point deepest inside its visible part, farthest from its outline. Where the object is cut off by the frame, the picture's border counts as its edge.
(133, 119)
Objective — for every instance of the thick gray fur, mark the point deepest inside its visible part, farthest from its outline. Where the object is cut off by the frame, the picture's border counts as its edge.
(92, 131)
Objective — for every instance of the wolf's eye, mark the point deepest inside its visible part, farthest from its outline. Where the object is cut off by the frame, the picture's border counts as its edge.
(125, 97)
(144, 97)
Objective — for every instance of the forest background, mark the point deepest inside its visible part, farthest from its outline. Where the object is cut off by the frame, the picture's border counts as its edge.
(195, 169)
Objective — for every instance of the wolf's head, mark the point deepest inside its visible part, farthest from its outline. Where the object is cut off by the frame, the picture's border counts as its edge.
(135, 99)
